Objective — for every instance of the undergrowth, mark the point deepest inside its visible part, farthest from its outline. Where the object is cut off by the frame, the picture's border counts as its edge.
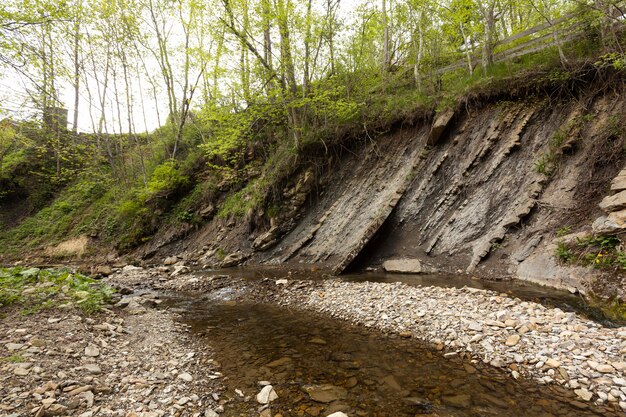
(36, 289)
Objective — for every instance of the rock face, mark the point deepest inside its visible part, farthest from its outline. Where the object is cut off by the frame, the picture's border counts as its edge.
(439, 126)
(403, 266)
(465, 198)
(615, 207)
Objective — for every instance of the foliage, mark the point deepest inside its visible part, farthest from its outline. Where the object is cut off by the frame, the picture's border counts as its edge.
(35, 289)
(595, 251)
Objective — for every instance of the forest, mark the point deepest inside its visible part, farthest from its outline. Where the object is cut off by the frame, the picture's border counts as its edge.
(125, 113)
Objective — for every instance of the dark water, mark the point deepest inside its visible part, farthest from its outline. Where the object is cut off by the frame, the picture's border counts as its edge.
(371, 374)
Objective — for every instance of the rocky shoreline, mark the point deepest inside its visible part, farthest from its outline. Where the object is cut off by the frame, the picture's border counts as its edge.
(526, 338)
(129, 360)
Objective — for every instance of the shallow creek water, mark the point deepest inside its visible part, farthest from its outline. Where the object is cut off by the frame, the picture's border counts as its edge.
(368, 373)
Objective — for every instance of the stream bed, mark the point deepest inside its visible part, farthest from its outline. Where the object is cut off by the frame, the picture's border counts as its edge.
(319, 365)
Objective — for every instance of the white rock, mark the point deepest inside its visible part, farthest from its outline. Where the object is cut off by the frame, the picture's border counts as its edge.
(92, 350)
(338, 414)
(267, 395)
(584, 394)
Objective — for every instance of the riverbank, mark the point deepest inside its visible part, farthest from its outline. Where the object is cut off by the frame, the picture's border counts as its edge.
(527, 339)
(127, 360)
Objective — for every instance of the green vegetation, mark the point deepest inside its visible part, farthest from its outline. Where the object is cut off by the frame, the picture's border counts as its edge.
(597, 251)
(35, 289)
(247, 95)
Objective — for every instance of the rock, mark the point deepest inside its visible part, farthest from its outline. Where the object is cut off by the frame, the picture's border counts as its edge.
(552, 363)
(403, 266)
(209, 412)
(282, 282)
(14, 346)
(103, 270)
(338, 414)
(317, 341)
(584, 394)
(92, 351)
(20, 371)
(326, 393)
(180, 270)
(458, 401)
(170, 260)
(619, 182)
(279, 362)
(614, 202)
(185, 376)
(439, 125)
(391, 382)
(234, 259)
(512, 340)
(605, 368)
(56, 410)
(267, 395)
(266, 240)
(92, 368)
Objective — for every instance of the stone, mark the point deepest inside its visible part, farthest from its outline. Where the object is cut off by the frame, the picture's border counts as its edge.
(605, 368)
(403, 266)
(512, 340)
(233, 259)
(326, 393)
(209, 412)
(92, 368)
(14, 346)
(185, 376)
(552, 363)
(266, 395)
(170, 260)
(19, 371)
(92, 351)
(391, 382)
(613, 202)
(584, 394)
(439, 125)
(458, 401)
(619, 183)
(317, 341)
(103, 270)
(338, 414)
(282, 281)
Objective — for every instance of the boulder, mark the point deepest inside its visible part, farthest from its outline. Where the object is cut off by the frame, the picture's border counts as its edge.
(403, 266)
(234, 259)
(614, 222)
(439, 125)
(265, 240)
(614, 202)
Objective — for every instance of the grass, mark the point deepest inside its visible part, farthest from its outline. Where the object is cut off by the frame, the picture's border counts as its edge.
(37, 289)
(597, 251)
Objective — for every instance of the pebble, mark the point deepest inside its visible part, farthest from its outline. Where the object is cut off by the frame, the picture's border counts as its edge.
(185, 376)
(266, 395)
(92, 351)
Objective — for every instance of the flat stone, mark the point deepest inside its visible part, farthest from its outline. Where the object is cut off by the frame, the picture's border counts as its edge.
(613, 202)
(92, 368)
(512, 340)
(458, 401)
(267, 395)
(14, 346)
(209, 412)
(92, 351)
(552, 363)
(391, 382)
(317, 341)
(326, 393)
(21, 371)
(584, 394)
(619, 183)
(279, 362)
(338, 414)
(403, 266)
(185, 376)
(605, 368)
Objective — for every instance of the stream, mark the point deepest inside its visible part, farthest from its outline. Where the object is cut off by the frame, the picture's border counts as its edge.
(319, 365)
